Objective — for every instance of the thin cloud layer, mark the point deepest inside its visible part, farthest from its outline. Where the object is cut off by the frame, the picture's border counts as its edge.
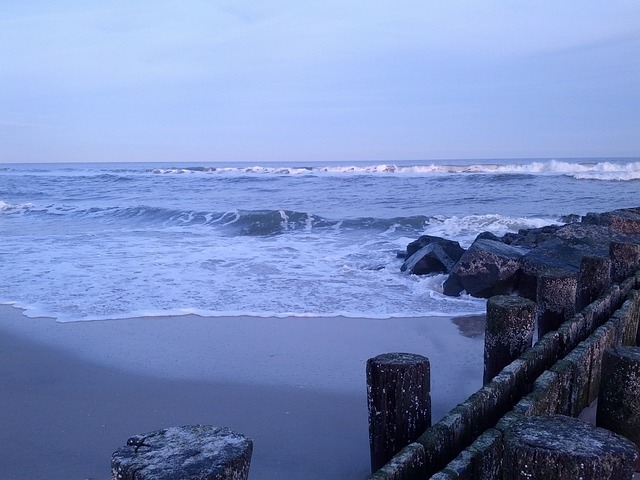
(258, 81)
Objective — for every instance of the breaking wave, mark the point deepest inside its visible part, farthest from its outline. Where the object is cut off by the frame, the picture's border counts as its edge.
(236, 222)
(595, 170)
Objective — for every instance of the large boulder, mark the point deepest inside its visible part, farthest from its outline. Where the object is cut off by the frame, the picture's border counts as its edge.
(498, 266)
(431, 254)
(452, 248)
(593, 236)
(531, 237)
(626, 220)
(487, 268)
(562, 254)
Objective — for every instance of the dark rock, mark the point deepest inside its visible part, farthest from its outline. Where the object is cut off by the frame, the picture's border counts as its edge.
(588, 235)
(429, 259)
(571, 218)
(488, 236)
(430, 254)
(625, 220)
(487, 268)
(451, 248)
(497, 266)
(554, 257)
(563, 253)
(531, 237)
(592, 218)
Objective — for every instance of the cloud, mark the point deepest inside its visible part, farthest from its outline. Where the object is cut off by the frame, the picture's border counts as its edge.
(132, 43)
(366, 76)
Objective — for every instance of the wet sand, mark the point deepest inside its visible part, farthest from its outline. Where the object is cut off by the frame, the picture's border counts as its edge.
(74, 392)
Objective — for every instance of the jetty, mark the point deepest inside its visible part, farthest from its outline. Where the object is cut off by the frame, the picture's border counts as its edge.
(562, 338)
(575, 289)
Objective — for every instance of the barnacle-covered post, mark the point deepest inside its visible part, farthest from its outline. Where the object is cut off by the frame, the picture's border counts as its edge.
(619, 395)
(625, 260)
(508, 332)
(593, 280)
(556, 298)
(189, 452)
(399, 399)
(565, 448)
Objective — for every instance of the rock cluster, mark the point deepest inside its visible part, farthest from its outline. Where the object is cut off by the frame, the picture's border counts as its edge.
(511, 264)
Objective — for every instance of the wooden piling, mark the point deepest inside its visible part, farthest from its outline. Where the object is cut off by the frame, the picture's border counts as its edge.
(556, 300)
(508, 333)
(191, 452)
(594, 279)
(399, 400)
(564, 448)
(619, 395)
(625, 260)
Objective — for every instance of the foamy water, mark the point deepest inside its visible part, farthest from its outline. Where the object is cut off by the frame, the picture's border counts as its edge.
(87, 241)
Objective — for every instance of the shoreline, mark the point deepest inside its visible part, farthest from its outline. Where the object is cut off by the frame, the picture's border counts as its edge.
(76, 391)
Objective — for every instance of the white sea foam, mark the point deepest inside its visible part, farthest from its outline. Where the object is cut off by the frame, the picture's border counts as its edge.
(605, 170)
(465, 229)
(14, 208)
(86, 242)
(120, 274)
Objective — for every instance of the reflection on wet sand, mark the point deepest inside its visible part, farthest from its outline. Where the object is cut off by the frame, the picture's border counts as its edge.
(471, 326)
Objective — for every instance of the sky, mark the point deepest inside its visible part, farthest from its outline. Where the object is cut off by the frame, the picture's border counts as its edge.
(292, 81)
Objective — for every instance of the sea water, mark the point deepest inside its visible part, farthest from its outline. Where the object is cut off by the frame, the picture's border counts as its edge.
(99, 241)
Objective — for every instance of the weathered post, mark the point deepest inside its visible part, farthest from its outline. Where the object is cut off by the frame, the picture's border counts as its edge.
(190, 452)
(508, 332)
(625, 260)
(593, 280)
(635, 296)
(556, 300)
(399, 400)
(565, 448)
(619, 395)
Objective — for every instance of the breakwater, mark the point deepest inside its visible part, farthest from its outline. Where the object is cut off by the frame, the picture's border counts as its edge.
(579, 317)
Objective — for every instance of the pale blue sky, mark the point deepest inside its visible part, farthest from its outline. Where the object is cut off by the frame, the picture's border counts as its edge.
(285, 80)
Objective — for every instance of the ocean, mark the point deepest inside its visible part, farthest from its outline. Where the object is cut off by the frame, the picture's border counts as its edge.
(104, 241)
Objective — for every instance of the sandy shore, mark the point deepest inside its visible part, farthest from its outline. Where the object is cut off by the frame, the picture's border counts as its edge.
(74, 392)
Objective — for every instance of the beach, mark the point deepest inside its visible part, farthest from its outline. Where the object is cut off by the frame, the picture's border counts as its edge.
(216, 213)
(74, 392)
(246, 296)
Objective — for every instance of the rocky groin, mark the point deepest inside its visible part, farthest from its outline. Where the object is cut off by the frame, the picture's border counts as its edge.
(511, 264)
(574, 291)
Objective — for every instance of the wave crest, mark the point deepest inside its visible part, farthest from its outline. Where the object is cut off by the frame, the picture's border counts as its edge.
(582, 170)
